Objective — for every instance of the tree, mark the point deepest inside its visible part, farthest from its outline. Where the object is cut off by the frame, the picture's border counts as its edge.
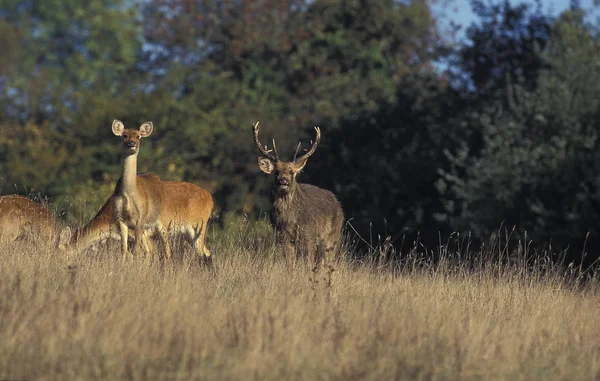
(539, 163)
(59, 99)
(503, 47)
(364, 73)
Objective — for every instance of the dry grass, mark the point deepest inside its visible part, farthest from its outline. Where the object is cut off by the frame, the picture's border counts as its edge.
(90, 318)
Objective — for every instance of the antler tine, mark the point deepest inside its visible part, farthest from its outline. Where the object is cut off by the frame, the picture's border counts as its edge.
(313, 147)
(275, 149)
(297, 150)
(266, 153)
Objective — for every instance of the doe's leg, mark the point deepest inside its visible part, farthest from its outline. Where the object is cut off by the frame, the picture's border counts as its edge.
(164, 237)
(148, 246)
(138, 240)
(124, 231)
(202, 244)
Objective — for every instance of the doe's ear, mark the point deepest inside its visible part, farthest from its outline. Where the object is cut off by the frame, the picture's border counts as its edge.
(146, 129)
(300, 164)
(266, 165)
(118, 127)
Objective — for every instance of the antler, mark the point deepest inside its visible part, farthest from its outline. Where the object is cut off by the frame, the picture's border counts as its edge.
(297, 150)
(312, 148)
(266, 153)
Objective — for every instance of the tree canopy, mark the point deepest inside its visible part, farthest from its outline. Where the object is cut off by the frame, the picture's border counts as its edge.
(505, 134)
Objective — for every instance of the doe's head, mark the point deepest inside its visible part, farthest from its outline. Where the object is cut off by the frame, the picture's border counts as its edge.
(284, 172)
(131, 136)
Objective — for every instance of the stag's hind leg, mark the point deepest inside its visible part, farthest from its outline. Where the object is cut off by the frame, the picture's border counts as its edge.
(330, 252)
(333, 242)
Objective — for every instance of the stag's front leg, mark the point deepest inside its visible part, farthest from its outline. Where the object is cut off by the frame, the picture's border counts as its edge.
(287, 247)
(289, 252)
(308, 254)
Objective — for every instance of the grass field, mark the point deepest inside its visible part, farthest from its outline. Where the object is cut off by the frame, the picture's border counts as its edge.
(92, 318)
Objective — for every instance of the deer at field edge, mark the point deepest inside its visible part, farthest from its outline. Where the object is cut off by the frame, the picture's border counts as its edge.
(307, 219)
(22, 217)
(185, 209)
(138, 199)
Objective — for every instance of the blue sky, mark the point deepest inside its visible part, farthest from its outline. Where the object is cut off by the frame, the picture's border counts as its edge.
(460, 12)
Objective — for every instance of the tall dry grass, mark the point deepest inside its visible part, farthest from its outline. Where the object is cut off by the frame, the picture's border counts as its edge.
(92, 318)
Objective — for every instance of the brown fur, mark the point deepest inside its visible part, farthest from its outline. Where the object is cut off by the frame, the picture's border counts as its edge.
(138, 199)
(146, 205)
(103, 226)
(186, 210)
(307, 219)
(22, 217)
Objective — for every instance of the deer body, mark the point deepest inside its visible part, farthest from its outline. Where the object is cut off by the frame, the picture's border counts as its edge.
(186, 209)
(102, 227)
(20, 216)
(138, 207)
(307, 219)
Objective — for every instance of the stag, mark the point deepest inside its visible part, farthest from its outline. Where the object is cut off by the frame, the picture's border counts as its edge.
(307, 219)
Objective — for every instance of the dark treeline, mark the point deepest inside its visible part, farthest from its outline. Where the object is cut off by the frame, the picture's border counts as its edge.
(505, 133)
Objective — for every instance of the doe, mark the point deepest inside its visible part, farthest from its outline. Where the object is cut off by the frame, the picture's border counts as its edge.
(138, 199)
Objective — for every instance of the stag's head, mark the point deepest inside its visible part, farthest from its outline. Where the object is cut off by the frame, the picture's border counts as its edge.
(131, 137)
(284, 172)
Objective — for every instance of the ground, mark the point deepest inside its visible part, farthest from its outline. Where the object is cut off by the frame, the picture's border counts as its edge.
(91, 317)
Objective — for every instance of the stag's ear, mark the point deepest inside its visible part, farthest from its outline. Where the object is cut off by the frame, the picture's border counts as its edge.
(266, 165)
(146, 129)
(298, 165)
(118, 127)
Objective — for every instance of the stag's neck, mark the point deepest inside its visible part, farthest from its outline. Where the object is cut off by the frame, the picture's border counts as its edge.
(284, 208)
(283, 199)
(129, 174)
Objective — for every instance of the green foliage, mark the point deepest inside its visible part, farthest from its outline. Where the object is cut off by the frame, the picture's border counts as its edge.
(362, 72)
(59, 100)
(30, 154)
(539, 164)
(504, 47)
(506, 134)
